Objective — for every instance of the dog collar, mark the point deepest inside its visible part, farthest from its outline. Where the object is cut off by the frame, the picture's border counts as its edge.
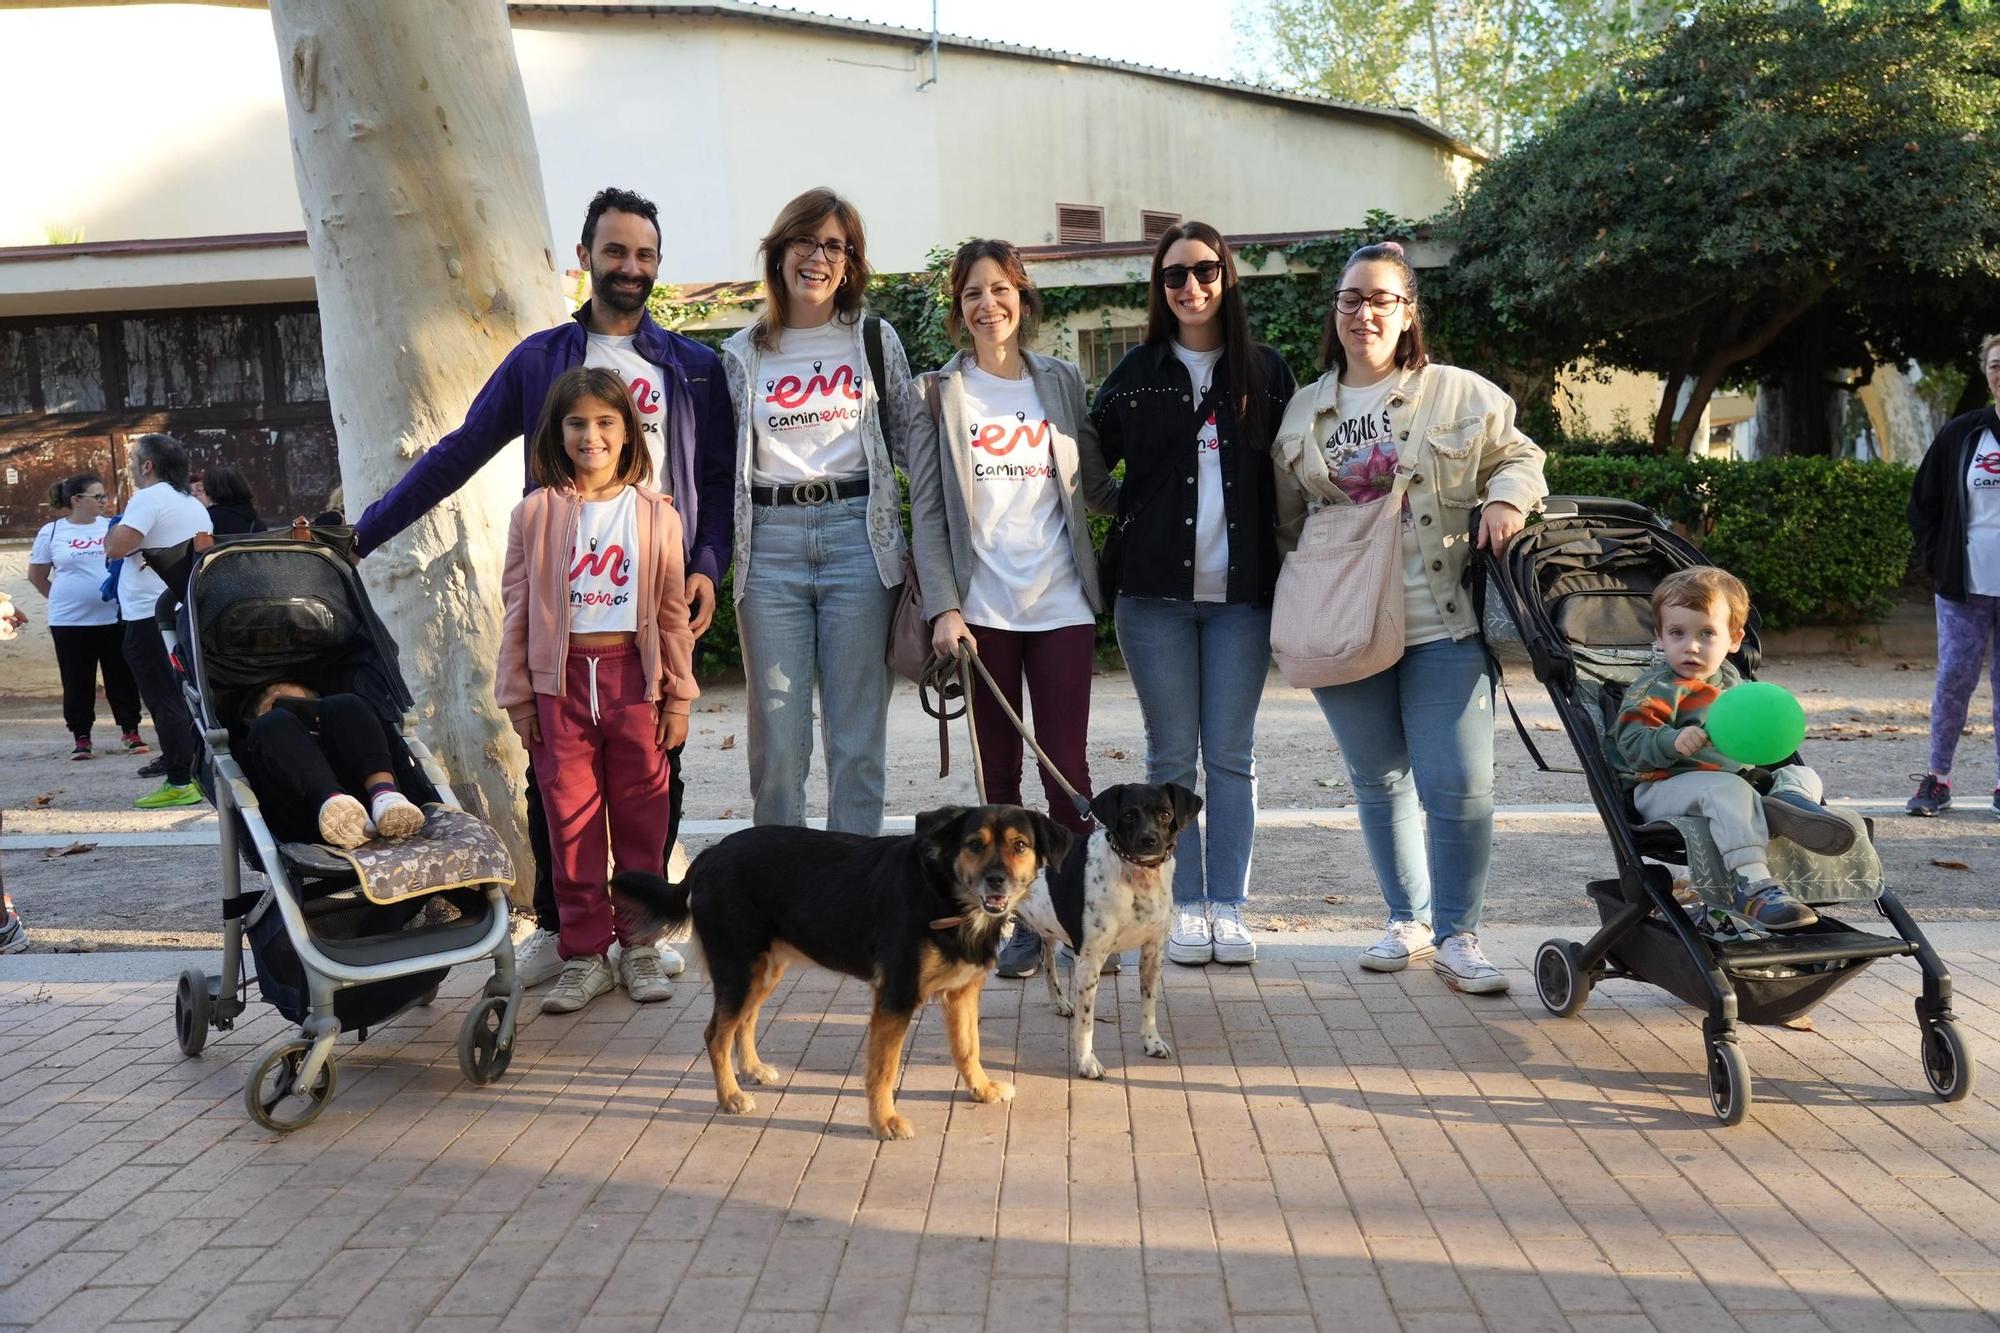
(948, 922)
(1153, 864)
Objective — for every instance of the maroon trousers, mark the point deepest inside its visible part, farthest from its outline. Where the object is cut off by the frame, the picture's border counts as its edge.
(600, 764)
(1056, 665)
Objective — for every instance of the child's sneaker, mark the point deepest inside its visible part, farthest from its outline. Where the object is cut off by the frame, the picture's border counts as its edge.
(1767, 903)
(1792, 815)
(1932, 797)
(582, 980)
(639, 971)
(13, 935)
(80, 750)
(395, 816)
(134, 743)
(342, 821)
(169, 794)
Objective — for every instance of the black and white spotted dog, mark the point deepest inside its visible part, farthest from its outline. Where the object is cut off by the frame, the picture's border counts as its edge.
(1112, 892)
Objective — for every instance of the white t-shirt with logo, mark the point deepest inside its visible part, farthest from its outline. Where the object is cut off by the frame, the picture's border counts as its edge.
(1211, 528)
(648, 386)
(1024, 575)
(75, 552)
(603, 580)
(806, 407)
(167, 517)
(1982, 518)
(1362, 452)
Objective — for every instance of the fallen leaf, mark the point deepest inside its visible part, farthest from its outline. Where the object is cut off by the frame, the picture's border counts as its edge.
(1334, 898)
(1803, 1023)
(1332, 782)
(1114, 754)
(74, 849)
(729, 813)
(1950, 865)
(45, 798)
(729, 741)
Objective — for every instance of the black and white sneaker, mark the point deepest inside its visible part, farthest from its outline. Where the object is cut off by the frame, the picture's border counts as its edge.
(1933, 797)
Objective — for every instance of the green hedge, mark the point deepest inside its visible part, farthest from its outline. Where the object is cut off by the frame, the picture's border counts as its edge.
(1818, 540)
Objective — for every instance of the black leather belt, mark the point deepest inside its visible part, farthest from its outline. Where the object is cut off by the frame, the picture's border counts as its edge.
(818, 491)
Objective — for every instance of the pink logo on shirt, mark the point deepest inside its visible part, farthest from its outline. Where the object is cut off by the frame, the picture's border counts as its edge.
(608, 563)
(1019, 435)
(792, 391)
(645, 397)
(1988, 463)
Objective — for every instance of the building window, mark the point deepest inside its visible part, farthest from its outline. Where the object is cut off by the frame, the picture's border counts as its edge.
(1098, 350)
(1152, 226)
(1079, 224)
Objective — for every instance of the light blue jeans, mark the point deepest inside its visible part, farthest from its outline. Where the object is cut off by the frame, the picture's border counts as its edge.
(814, 613)
(1199, 669)
(1421, 734)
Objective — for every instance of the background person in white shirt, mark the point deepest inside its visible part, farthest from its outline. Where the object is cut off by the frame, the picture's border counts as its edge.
(161, 513)
(66, 565)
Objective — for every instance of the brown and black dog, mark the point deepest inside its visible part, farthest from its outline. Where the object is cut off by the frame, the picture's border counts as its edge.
(915, 916)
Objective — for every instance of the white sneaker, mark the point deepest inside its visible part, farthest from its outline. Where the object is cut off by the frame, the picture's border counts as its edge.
(582, 980)
(671, 963)
(1232, 938)
(1189, 942)
(1402, 944)
(536, 959)
(640, 973)
(1465, 968)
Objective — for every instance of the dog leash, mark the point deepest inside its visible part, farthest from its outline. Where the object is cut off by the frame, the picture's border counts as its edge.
(967, 662)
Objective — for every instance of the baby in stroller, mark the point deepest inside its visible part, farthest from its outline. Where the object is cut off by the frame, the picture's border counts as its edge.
(1664, 758)
(321, 767)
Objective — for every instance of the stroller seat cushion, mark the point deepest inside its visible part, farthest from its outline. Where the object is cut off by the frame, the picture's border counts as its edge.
(453, 850)
(1853, 876)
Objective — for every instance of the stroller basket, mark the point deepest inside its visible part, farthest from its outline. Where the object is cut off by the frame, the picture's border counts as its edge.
(1576, 588)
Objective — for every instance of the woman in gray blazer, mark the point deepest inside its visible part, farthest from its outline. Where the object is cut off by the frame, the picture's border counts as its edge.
(1003, 464)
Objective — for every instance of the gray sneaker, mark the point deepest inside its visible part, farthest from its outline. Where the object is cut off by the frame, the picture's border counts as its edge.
(1020, 953)
(640, 973)
(582, 980)
(13, 935)
(1807, 823)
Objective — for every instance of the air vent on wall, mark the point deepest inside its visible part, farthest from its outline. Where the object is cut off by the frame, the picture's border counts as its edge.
(1079, 224)
(1153, 225)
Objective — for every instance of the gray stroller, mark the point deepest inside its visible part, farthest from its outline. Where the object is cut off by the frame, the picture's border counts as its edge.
(332, 954)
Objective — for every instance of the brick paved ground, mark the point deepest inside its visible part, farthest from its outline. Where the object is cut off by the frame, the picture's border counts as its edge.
(1329, 1149)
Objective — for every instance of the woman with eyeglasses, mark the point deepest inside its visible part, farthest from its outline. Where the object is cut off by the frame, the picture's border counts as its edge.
(819, 534)
(66, 565)
(1418, 734)
(1191, 412)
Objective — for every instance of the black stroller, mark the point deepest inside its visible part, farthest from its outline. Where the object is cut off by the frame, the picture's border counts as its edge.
(1577, 587)
(288, 606)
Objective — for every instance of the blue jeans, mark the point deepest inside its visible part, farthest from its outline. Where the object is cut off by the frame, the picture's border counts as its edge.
(814, 612)
(1421, 733)
(1199, 669)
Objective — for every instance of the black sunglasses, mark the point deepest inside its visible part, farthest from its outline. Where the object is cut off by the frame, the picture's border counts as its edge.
(1174, 276)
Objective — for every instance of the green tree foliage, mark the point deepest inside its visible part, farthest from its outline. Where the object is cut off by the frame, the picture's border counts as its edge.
(1764, 163)
(1488, 71)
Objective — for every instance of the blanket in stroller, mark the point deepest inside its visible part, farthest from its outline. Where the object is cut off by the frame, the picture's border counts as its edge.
(452, 851)
(1853, 876)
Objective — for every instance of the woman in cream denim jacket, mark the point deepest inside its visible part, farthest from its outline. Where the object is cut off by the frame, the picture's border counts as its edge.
(1420, 732)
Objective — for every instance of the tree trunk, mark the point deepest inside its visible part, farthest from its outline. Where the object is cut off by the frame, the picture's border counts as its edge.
(423, 202)
(1904, 423)
(1797, 411)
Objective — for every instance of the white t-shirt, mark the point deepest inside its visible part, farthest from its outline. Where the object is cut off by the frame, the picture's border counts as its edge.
(648, 386)
(603, 584)
(1024, 575)
(1211, 528)
(76, 552)
(1362, 453)
(167, 517)
(1982, 518)
(807, 406)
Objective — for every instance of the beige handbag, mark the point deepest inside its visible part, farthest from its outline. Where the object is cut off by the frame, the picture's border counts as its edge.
(1338, 614)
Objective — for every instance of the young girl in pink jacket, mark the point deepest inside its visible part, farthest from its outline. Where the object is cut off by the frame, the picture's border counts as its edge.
(596, 666)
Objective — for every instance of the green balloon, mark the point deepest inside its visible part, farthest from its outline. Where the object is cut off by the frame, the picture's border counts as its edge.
(1756, 723)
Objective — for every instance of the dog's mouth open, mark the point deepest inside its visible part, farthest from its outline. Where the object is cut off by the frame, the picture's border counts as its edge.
(996, 902)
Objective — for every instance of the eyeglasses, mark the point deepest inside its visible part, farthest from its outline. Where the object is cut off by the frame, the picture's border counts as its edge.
(835, 251)
(1174, 276)
(1349, 300)
(88, 495)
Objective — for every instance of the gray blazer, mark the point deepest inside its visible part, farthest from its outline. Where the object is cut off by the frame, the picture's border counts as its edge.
(940, 481)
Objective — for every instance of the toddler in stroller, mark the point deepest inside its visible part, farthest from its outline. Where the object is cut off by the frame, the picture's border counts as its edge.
(312, 762)
(1667, 764)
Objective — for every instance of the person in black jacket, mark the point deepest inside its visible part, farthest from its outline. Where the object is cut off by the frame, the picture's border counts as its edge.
(1192, 562)
(1955, 514)
(231, 506)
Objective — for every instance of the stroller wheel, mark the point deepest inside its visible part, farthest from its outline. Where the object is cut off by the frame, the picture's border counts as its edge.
(191, 1013)
(272, 1094)
(1728, 1082)
(481, 1057)
(1948, 1067)
(1560, 980)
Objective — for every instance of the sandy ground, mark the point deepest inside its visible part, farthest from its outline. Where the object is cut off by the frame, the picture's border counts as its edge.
(1869, 729)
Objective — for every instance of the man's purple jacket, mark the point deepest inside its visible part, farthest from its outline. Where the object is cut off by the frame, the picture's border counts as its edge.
(700, 446)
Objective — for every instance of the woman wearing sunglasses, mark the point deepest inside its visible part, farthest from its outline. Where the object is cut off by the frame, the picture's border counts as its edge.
(1418, 733)
(1192, 413)
(66, 565)
(819, 534)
